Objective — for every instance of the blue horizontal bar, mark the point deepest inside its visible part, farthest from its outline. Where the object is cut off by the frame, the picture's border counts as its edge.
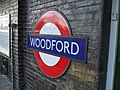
(68, 47)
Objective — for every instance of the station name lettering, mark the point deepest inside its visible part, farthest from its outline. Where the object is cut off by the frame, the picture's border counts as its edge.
(55, 45)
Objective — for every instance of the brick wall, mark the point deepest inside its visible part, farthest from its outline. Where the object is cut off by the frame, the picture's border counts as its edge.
(106, 22)
(85, 18)
(11, 7)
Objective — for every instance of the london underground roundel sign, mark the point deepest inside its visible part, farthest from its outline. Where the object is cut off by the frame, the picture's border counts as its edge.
(52, 23)
(53, 44)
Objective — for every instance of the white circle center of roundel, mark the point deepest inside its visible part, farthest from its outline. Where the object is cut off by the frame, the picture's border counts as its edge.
(50, 29)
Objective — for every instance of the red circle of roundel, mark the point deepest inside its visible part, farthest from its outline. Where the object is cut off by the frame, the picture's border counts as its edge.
(57, 19)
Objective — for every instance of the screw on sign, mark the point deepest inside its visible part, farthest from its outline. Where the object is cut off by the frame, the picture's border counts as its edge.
(53, 45)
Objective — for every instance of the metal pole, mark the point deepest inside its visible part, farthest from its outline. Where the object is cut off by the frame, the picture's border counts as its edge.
(112, 45)
(13, 59)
